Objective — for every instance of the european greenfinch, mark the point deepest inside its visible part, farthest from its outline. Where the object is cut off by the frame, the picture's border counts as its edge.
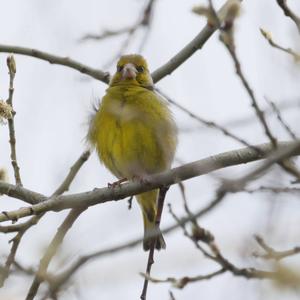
(134, 133)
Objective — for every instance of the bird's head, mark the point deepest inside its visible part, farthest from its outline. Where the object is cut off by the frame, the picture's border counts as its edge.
(132, 70)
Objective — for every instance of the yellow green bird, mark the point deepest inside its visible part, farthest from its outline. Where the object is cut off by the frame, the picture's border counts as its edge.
(134, 133)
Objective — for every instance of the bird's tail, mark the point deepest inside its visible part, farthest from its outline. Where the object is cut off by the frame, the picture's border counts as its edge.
(147, 202)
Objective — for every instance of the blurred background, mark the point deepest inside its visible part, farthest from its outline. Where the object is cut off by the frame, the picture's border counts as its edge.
(53, 104)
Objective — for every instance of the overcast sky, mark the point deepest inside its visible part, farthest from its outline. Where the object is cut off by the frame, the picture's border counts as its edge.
(53, 104)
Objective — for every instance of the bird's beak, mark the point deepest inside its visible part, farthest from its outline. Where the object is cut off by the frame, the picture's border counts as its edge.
(129, 72)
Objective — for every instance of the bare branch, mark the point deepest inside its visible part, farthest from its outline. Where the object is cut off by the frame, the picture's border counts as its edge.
(23, 227)
(11, 64)
(143, 22)
(184, 54)
(203, 121)
(271, 253)
(51, 250)
(277, 156)
(11, 257)
(58, 60)
(289, 13)
(197, 168)
(180, 283)
(280, 119)
(227, 39)
(271, 189)
(65, 185)
(62, 230)
(60, 279)
(105, 34)
(21, 193)
(291, 52)
(215, 254)
(172, 297)
(157, 75)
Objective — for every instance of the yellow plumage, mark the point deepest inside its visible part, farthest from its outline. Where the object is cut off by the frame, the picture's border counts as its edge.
(134, 133)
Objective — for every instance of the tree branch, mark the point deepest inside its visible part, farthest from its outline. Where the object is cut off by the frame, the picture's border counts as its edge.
(190, 170)
(59, 280)
(166, 69)
(51, 250)
(65, 185)
(289, 13)
(23, 227)
(271, 253)
(205, 122)
(62, 230)
(290, 51)
(11, 64)
(57, 60)
(180, 283)
(196, 44)
(21, 193)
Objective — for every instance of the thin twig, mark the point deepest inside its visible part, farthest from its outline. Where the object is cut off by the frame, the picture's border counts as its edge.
(172, 297)
(271, 189)
(166, 69)
(23, 227)
(216, 255)
(62, 231)
(201, 120)
(12, 137)
(11, 64)
(65, 185)
(184, 54)
(239, 184)
(219, 198)
(274, 254)
(259, 113)
(227, 39)
(123, 47)
(144, 22)
(25, 270)
(280, 119)
(11, 257)
(290, 51)
(60, 279)
(51, 251)
(180, 283)
(289, 13)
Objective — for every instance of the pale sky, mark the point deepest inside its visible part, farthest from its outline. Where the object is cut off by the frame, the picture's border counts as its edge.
(53, 105)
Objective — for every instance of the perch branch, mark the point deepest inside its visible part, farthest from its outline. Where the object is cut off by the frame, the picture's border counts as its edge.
(187, 171)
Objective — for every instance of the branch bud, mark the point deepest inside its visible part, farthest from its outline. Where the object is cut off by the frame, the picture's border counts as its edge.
(11, 64)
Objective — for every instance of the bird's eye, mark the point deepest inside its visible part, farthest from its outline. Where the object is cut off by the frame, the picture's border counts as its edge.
(119, 68)
(140, 69)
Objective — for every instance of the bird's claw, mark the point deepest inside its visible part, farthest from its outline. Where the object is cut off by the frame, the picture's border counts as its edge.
(116, 183)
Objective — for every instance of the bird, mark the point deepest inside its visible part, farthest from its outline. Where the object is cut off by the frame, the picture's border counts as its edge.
(135, 135)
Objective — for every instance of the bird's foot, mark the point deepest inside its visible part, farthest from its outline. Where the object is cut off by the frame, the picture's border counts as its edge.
(116, 183)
